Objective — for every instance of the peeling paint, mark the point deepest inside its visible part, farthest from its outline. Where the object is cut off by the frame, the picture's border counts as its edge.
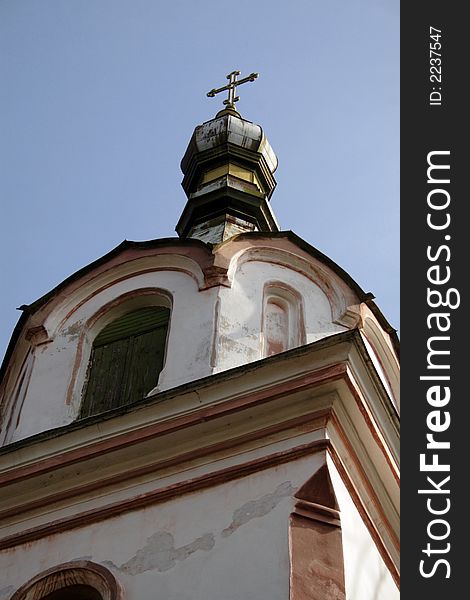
(258, 508)
(212, 329)
(160, 553)
(73, 331)
(230, 348)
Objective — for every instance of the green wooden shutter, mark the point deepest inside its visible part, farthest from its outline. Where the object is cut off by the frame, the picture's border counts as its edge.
(126, 360)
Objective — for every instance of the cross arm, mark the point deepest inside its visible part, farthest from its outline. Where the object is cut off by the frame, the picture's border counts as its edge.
(232, 84)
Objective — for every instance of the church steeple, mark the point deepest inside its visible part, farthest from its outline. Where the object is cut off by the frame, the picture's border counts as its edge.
(228, 172)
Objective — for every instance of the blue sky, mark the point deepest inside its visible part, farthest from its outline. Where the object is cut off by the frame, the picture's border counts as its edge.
(100, 97)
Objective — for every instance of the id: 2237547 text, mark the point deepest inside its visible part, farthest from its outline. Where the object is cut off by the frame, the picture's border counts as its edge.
(435, 66)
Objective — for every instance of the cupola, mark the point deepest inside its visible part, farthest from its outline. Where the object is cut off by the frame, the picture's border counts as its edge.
(228, 172)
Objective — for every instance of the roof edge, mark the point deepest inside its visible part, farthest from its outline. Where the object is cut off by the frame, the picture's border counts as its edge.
(29, 309)
(366, 297)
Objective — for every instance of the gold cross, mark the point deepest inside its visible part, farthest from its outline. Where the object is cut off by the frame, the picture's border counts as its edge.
(231, 87)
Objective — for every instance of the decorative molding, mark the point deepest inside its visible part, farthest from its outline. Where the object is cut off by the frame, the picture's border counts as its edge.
(316, 499)
(162, 495)
(81, 572)
(316, 420)
(317, 512)
(363, 478)
(122, 440)
(351, 317)
(371, 422)
(215, 276)
(37, 335)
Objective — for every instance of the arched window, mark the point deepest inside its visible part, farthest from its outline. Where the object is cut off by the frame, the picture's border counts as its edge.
(77, 580)
(283, 323)
(126, 360)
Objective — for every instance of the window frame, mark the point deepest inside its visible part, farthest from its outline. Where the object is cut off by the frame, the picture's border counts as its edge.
(107, 313)
(121, 350)
(70, 573)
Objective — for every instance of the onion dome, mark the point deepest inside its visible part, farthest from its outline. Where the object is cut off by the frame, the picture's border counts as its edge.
(228, 172)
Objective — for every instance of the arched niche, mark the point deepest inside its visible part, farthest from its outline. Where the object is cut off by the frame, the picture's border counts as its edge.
(77, 580)
(282, 321)
(339, 295)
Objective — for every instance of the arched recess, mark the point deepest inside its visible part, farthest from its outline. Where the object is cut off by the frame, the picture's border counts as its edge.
(137, 316)
(80, 580)
(339, 294)
(282, 321)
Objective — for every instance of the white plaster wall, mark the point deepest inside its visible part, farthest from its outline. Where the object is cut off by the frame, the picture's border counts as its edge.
(210, 331)
(239, 339)
(366, 575)
(187, 356)
(229, 542)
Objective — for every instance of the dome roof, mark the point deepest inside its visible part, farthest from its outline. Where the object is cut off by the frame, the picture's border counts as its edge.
(228, 127)
(228, 170)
